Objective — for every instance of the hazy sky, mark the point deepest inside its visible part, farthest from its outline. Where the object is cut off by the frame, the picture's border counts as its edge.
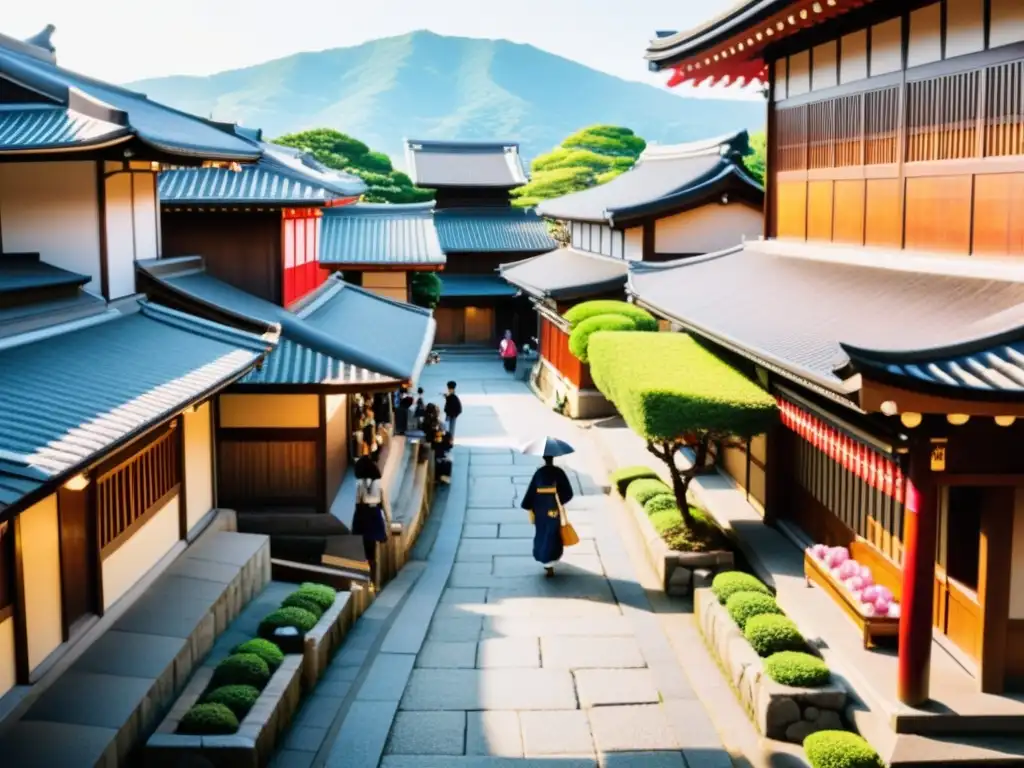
(123, 40)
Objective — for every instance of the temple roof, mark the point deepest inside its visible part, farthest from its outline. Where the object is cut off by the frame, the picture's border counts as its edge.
(818, 314)
(666, 179)
(566, 273)
(455, 286)
(380, 234)
(435, 164)
(492, 230)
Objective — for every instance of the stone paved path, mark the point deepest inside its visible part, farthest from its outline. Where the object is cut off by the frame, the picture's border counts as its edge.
(480, 662)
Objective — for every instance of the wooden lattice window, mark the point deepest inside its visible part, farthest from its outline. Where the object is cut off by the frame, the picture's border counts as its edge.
(791, 125)
(881, 125)
(1004, 110)
(942, 117)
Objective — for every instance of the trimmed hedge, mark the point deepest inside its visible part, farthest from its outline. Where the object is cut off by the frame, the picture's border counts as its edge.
(265, 649)
(208, 720)
(839, 749)
(743, 606)
(626, 475)
(769, 633)
(642, 319)
(579, 338)
(727, 584)
(642, 491)
(800, 670)
(321, 594)
(241, 669)
(664, 502)
(666, 385)
(305, 602)
(299, 618)
(238, 698)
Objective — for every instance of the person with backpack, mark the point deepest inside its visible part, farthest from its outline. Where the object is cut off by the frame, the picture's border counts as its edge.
(452, 409)
(508, 352)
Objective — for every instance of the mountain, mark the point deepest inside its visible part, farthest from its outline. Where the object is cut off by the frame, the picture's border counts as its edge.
(428, 86)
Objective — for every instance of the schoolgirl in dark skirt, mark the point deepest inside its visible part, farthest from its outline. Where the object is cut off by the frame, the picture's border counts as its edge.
(369, 520)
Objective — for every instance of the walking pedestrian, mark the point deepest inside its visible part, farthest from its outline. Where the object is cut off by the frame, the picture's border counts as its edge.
(369, 519)
(508, 352)
(545, 499)
(452, 409)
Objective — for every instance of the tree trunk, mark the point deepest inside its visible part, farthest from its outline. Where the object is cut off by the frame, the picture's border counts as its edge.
(680, 479)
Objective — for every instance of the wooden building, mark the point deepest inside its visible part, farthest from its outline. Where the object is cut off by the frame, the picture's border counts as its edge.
(885, 312)
(106, 430)
(678, 200)
(258, 226)
(479, 230)
(378, 245)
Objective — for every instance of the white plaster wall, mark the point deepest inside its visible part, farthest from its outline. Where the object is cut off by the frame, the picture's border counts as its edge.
(781, 84)
(198, 464)
(853, 61)
(52, 209)
(39, 535)
(708, 228)
(925, 43)
(134, 559)
(824, 66)
(8, 668)
(1007, 23)
(634, 244)
(120, 235)
(887, 47)
(147, 230)
(965, 27)
(799, 73)
(1017, 559)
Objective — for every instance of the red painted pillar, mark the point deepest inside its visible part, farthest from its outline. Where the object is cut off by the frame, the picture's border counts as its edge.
(920, 529)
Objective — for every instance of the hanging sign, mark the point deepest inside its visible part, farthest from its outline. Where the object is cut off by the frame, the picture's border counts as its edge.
(939, 456)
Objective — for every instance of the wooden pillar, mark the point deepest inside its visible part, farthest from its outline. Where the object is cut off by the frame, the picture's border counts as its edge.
(920, 529)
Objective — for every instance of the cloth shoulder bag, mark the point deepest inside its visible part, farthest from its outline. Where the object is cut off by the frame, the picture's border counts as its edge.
(569, 536)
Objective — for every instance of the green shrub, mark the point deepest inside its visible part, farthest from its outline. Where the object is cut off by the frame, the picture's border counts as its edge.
(208, 719)
(238, 698)
(291, 616)
(642, 319)
(745, 605)
(727, 584)
(701, 534)
(265, 649)
(321, 594)
(642, 491)
(665, 502)
(241, 669)
(304, 601)
(839, 749)
(797, 669)
(626, 475)
(579, 338)
(769, 633)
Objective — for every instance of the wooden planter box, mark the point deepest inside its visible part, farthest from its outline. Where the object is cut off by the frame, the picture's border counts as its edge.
(320, 643)
(872, 627)
(680, 572)
(252, 745)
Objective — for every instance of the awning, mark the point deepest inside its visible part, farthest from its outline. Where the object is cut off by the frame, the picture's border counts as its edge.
(566, 274)
(819, 313)
(475, 286)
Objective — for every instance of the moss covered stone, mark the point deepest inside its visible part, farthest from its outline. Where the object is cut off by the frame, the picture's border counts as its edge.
(839, 749)
(727, 584)
(241, 669)
(208, 719)
(743, 606)
(265, 649)
(299, 618)
(801, 670)
(770, 633)
(238, 698)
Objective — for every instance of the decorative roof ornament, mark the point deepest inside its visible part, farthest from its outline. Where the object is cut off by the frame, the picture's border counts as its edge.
(42, 39)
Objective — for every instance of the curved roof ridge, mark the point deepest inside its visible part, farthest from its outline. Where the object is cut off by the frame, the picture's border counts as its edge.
(737, 141)
(448, 145)
(394, 209)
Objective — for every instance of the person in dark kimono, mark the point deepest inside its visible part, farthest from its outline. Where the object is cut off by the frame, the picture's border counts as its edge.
(549, 491)
(369, 519)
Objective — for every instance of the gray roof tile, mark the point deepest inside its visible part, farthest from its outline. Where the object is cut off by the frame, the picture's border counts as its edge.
(25, 127)
(25, 271)
(473, 286)
(465, 164)
(79, 394)
(492, 230)
(380, 234)
(566, 274)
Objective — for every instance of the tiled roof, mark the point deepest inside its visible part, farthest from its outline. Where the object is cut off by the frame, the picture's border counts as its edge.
(25, 271)
(79, 394)
(492, 229)
(566, 273)
(294, 363)
(814, 312)
(435, 164)
(372, 234)
(168, 130)
(25, 127)
(475, 286)
(665, 178)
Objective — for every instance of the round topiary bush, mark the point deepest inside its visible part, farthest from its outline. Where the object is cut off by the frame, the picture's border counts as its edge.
(299, 618)
(304, 601)
(642, 491)
(662, 503)
(321, 594)
(625, 476)
(839, 749)
(238, 698)
(745, 605)
(801, 670)
(642, 319)
(580, 336)
(208, 720)
(727, 584)
(241, 669)
(770, 633)
(265, 649)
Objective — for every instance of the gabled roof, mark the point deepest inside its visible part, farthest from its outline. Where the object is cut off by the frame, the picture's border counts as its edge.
(80, 394)
(495, 164)
(566, 274)
(338, 335)
(75, 99)
(816, 314)
(492, 230)
(39, 126)
(666, 179)
(380, 234)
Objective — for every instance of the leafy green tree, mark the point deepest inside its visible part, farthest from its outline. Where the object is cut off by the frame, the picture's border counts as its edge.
(425, 288)
(756, 161)
(589, 157)
(344, 153)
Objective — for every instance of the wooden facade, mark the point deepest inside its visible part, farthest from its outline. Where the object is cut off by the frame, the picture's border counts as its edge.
(554, 348)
